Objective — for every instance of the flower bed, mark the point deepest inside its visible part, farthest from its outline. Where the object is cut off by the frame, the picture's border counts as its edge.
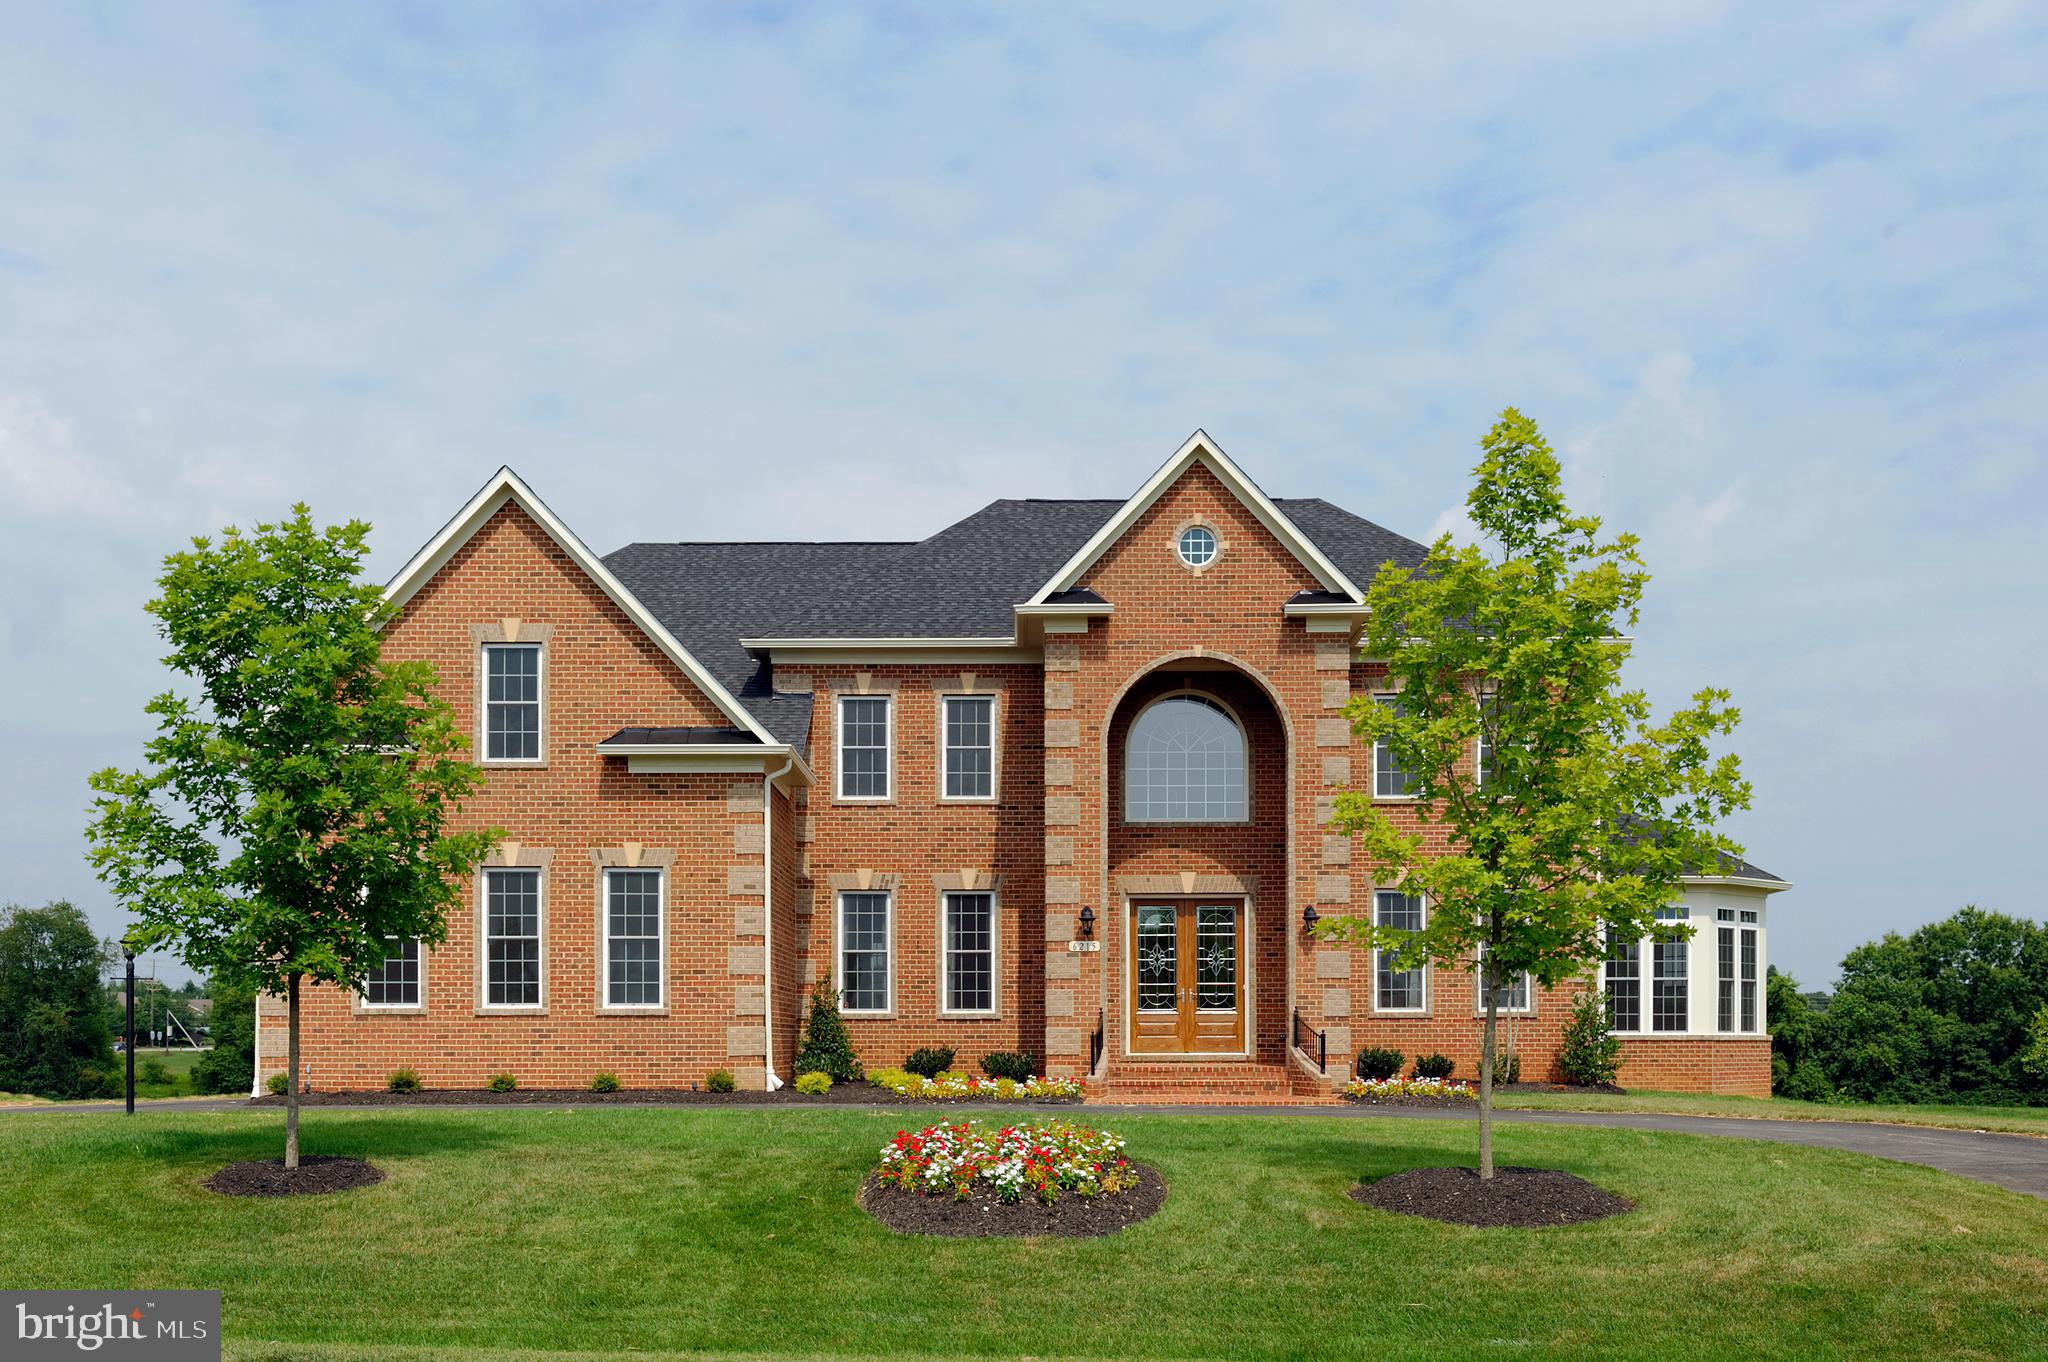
(952, 1086)
(1396, 1089)
(1044, 1162)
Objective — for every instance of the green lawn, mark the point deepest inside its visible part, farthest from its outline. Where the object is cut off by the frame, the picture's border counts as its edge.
(179, 1062)
(734, 1231)
(2018, 1120)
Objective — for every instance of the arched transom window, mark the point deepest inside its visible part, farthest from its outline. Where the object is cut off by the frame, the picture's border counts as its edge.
(1185, 764)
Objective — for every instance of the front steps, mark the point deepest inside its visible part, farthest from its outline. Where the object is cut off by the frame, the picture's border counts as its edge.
(1248, 1083)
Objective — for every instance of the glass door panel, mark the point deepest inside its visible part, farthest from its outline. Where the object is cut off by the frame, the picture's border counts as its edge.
(1216, 958)
(1158, 962)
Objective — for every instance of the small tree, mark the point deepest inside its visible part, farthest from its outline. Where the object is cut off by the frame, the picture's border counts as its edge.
(291, 820)
(1579, 816)
(827, 1046)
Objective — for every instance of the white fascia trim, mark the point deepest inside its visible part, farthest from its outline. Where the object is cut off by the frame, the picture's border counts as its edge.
(1057, 611)
(1735, 882)
(936, 655)
(1200, 447)
(1313, 609)
(642, 756)
(506, 485)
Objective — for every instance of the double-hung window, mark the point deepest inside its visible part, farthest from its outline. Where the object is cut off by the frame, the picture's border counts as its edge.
(1389, 780)
(864, 758)
(864, 955)
(1395, 989)
(1513, 993)
(1668, 1001)
(396, 982)
(969, 725)
(970, 952)
(512, 943)
(1736, 962)
(633, 938)
(512, 690)
(1624, 979)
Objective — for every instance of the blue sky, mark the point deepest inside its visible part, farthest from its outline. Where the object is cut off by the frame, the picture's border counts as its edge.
(1773, 280)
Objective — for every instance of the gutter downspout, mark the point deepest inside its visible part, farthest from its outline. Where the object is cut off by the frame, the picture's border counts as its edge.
(768, 780)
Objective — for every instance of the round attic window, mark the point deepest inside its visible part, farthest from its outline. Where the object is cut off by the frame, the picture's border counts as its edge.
(1197, 546)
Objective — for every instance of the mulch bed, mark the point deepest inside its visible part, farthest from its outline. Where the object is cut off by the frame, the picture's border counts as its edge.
(1520, 1197)
(316, 1174)
(1460, 1103)
(1071, 1217)
(842, 1094)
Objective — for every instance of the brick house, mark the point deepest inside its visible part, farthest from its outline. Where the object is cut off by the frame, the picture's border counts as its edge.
(1055, 779)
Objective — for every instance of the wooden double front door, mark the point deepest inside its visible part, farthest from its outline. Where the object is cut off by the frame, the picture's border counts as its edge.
(1187, 976)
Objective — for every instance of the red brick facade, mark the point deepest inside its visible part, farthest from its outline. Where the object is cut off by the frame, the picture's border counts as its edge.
(747, 939)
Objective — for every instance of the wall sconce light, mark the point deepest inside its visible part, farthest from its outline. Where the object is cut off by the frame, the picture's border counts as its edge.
(1309, 917)
(1087, 922)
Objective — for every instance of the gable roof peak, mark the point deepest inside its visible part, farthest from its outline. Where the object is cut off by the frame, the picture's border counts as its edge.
(506, 487)
(1201, 448)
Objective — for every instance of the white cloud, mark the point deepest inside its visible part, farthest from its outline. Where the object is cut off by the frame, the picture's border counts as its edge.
(42, 473)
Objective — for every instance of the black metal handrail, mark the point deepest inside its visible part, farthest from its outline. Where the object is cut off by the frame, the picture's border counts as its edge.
(1322, 1046)
(1095, 1043)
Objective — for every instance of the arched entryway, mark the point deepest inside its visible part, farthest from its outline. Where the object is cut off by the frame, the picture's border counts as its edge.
(1197, 819)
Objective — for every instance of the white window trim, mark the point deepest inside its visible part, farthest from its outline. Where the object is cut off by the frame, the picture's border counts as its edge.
(483, 926)
(1244, 738)
(1479, 993)
(839, 700)
(1215, 546)
(1422, 1009)
(1384, 698)
(483, 706)
(364, 1004)
(995, 747)
(604, 930)
(839, 952)
(995, 956)
(1642, 997)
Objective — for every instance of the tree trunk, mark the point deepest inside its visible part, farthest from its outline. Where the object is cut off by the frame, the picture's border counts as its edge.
(291, 1081)
(1486, 1073)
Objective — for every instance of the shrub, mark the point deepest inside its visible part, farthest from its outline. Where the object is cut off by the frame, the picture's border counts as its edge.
(276, 1083)
(1589, 1053)
(1807, 1082)
(719, 1080)
(1046, 1160)
(1433, 1066)
(816, 1084)
(1015, 1065)
(606, 1082)
(402, 1080)
(929, 1061)
(1377, 1064)
(502, 1083)
(1507, 1067)
(827, 1048)
(150, 1071)
(94, 1081)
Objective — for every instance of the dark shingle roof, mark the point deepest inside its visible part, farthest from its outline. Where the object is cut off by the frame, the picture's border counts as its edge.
(677, 736)
(964, 582)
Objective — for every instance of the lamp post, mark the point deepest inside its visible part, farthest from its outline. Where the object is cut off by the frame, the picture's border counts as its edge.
(128, 1027)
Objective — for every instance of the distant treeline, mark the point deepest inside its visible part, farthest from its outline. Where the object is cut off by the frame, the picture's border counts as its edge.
(1954, 1012)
